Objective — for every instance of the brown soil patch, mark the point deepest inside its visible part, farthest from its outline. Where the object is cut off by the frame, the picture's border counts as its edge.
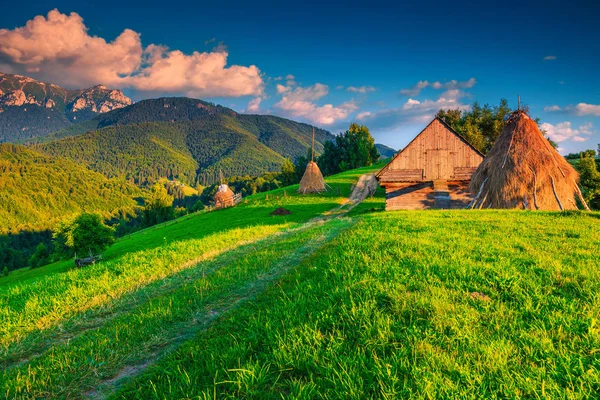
(281, 211)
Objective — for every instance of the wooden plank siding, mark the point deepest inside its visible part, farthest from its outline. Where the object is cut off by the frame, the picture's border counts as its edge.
(438, 153)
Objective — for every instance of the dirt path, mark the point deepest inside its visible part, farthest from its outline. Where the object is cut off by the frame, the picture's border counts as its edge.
(208, 314)
(365, 186)
(211, 312)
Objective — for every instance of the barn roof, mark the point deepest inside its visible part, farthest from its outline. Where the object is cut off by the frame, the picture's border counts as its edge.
(420, 133)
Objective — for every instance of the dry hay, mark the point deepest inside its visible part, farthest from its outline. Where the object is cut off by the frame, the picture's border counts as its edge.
(523, 170)
(224, 197)
(312, 181)
(281, 211)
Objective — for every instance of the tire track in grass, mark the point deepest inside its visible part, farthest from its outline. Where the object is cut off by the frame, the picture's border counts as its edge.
(216, 310)
(170, 288)
(160, 325)
(94, 318)
(23, 352)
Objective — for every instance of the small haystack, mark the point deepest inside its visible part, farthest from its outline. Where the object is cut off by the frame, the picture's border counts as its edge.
(224, 197)
(312, 181)
(522, 170)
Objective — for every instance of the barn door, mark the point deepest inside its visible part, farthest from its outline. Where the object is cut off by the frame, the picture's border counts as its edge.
(437, 164)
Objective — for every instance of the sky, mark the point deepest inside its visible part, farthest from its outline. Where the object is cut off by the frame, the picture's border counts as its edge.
(386, 65)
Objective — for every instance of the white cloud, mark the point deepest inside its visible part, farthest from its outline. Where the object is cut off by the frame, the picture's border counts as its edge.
(552, 108)
(413, 111)
(58, 48)
(254, 105)
(360, 89)
(587, 109)
(450, 85)
(299, 102)
(564, 131)
(547, 58)
(580, 109)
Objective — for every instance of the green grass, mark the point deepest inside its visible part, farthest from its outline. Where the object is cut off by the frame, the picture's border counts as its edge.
(389, 310)
(367, 304)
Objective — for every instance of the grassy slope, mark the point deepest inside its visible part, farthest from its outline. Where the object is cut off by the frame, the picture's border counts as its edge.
(372, 305)
(36, 190)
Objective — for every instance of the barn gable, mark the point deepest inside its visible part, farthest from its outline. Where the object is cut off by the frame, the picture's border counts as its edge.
(437, 153)
(432, 171)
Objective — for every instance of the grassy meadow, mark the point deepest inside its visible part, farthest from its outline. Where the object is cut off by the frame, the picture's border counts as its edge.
(327, 302)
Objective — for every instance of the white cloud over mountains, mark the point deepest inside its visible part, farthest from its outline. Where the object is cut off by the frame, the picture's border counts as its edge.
(299, 102)
(59, 49)
(450, 85)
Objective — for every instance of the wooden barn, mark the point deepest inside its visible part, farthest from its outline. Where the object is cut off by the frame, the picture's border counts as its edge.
(432, 171)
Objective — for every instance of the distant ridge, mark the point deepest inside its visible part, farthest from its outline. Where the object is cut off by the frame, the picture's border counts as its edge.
(30, 108)
(182, 138)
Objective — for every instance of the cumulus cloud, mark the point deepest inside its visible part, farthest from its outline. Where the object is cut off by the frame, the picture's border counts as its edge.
(451, 85)
(254, 105)
(547, 58)
(564, 131)
(412, 111)
(581, 109)
(552, 108)
(587, 109)
(360, 89)
(58, 48)
(299, 102)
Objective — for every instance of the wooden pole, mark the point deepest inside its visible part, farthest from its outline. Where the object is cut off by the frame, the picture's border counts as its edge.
(535, 204)
(555, 194)
(312, 157)
(578, 191)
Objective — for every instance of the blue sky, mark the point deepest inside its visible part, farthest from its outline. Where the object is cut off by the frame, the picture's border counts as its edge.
(327, 63)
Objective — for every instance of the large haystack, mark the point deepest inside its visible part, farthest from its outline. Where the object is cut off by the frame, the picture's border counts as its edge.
(312, 181)
(522, 170)
(224, 197)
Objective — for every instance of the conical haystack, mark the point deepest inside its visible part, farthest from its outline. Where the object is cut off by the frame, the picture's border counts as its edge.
(522, 170)
(224, 197)
(312, 181)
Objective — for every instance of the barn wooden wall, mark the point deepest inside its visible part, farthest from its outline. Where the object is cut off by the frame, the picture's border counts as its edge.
(436, 153)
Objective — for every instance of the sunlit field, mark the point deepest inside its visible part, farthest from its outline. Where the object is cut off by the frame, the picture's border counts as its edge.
(330, 301)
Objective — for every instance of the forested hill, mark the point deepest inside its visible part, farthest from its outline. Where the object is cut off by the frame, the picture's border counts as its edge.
(36, 190)
(185, 139)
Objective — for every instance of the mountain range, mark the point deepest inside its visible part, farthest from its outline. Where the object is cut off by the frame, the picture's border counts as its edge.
(180, 138)
(30, 108)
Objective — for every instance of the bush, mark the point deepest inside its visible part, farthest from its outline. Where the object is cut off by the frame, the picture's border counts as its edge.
(84, 234)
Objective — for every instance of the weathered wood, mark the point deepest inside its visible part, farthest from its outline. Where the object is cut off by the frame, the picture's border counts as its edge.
(438, 152)
(472, 204)
(578, 191)
(555, 194)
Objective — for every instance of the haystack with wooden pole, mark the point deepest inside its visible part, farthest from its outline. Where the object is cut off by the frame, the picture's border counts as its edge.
(523, 170)
(312, 181)
(225, 196)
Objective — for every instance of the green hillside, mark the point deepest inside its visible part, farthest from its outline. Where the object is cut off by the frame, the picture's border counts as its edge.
(36, 190)
(185, 139)
(336, 300)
